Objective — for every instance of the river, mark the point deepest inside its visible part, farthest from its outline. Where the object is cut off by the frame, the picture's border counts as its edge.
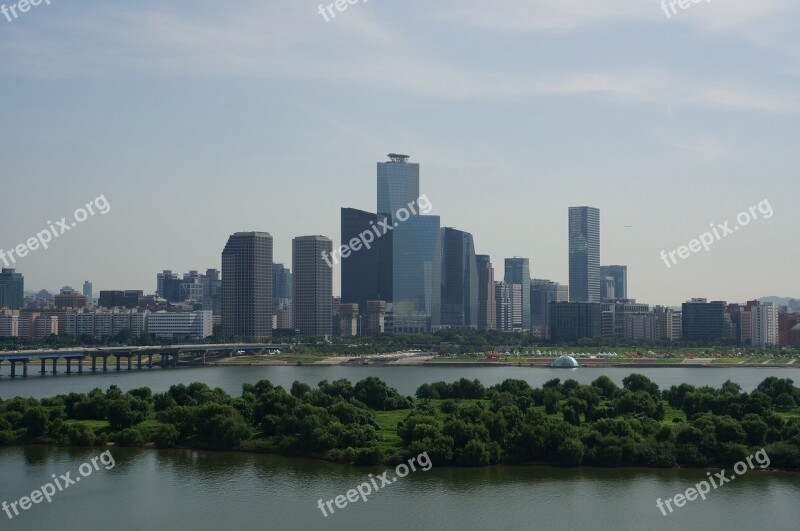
(194, 490)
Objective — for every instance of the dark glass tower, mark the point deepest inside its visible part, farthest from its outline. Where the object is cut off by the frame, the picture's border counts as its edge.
(398, 184)
(247, 285)
(459, 280)
(360, 269)
(518, 272)
(584, 254)
(12, 287)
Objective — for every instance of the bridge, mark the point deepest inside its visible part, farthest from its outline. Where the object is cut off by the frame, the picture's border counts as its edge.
(171, 356)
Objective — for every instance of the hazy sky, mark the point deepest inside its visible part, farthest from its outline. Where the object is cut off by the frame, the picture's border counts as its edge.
(197, 119)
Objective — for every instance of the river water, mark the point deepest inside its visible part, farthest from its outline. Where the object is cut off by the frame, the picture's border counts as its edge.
(191, 490)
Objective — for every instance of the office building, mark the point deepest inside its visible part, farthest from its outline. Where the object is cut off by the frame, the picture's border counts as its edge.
(12, 286)
(487, 314)
(168, 285)
(247, 285)
(129, 299)
(360, 268)
(459, 280)
(181, 326)
(87, 292)
(570, 321)
(619, 310)
(398, 184)
(502, 296)
(9, 323)
(619, 274)
(543, 292)
(313, 286)
(703, 320)
(69, 298)
(584, 254)
(517, 271)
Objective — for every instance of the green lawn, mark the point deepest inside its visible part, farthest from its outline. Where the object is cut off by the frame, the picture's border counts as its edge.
(671, 413)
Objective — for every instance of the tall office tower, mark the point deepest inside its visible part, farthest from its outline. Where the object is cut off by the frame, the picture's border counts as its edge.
(415, 254)
(765, 324)
(398, 184)
(417, 264)
(570, 321)
(363, 272)
(459, 280)
(312, 300)
(247, 285)
(518, 272)
(620, 275)
(703, 321)
(584, 254)
(487, 314)
(543, 292)
(12, 287)
(168, 285)
(87, 292)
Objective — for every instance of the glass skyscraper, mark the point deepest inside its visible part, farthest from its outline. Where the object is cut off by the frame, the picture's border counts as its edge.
(459, 280)
(584, 254)
(11, 289)
(487, 315)
(366, 273)
(518, 272)
(417, 252)
(398, 184)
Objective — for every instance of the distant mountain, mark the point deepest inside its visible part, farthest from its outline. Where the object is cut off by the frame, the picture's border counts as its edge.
(779, 301)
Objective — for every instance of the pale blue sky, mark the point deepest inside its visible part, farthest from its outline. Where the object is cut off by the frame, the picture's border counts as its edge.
(199, 119)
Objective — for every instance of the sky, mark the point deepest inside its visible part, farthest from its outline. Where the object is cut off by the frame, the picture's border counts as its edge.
(195, 120)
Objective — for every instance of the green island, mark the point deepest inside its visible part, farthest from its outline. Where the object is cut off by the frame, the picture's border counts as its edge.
(463, 423)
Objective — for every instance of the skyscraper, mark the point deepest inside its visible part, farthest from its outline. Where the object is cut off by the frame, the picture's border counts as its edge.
(764, 325)
(487, 315)
(415, 250)
(87, 292)
(703, 321)
(584, 254)
(543, 292)
(570, 321)
(459, 299)
(518, 272)
(12, 287)
(398, 184)
(620, 275)
(313, 286)
(366, 273)
(247, 285)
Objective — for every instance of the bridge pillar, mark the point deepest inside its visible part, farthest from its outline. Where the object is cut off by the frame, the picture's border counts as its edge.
(44, 367)
(25, 369)
(13, 369)
(69, 365)
(150, 361)
(105, 362)
(55, 366)
(94, 363)
(139, 361)
(129, 361)
(80, 365)
(119, 359)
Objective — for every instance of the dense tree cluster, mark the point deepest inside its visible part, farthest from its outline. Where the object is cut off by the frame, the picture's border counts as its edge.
(462, 423)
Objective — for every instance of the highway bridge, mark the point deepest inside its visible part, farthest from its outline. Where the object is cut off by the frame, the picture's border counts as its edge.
(170, 356)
